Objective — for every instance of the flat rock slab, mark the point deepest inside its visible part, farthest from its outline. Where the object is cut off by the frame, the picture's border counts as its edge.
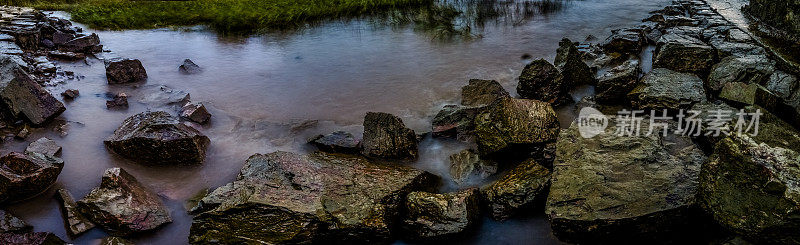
(667, 89)
(31, 238)
(158, 138)
(44, 146)
(23, 97)
(337, 142)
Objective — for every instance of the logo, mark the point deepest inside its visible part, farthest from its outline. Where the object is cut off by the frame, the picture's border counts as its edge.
(591, 122)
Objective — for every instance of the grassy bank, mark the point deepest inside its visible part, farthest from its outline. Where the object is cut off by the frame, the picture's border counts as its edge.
(222, 15)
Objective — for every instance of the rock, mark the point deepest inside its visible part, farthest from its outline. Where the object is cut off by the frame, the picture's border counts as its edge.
(31, 238)
(196, 112)
(23, 97)
(614, 85)
(82, 44)
(540, 80)
(778, 19)
(122, 206)
(60, 38)
(568, 60)
(482, 92)
(683, 53)
(751, 188)
(23, 176)
(70, 93)
(157, 138)
(511, 123)
(125, 71)
(74, 222)
(748, 94)
(336, 142)
(677, 20)
(468, 163)
(520, 188)
(112, 240)
(287, 198)
(164, 95)
(666, 89)
(432, 216)
(747, 69)
(24, 132)
(624, 41)
(66, 55)
(613, 188)
(45, 146)
(456, 122)
(11, 224)
(385, 136)
(119, 101)
(189, 67)
(782, 84)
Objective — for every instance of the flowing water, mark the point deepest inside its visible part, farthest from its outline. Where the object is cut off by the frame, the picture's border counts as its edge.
(272, 91)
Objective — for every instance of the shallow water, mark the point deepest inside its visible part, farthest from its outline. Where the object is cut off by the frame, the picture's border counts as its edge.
(259, 88)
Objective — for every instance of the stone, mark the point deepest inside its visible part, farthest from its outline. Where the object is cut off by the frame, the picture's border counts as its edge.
(112, 240)
(125, 71)
(23, 176)
(782, 84)
(189, 67)
(119, 100)
(385, 136)
(455, 121)
(624, 41)
(748, 94)
(614, 85)
(726, 48)
(66, 55)
(666, 89)
(468, 163)
(23, 133)
(540, 80)
(683, 53)
(287, 198)
(74, 222)
(522, 187)
(568, 60)
(82, 44)
(511, 123)
(747, 69)
(45, 146)
(482, 92)
(158, 138)
(777, 19)
(336, 142)
(196, 112)
(122, 206)
(164, 95)
(23, 97)
(432, 216)
(31, 238)
(70, 93)
(11, 224)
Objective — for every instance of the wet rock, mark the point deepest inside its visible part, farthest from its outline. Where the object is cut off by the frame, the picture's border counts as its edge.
(66, 55)
(31, 238)
(196, 112)
(468, 163)
(125, 71)
(287, 198)
(189, 67)
(747, 69)
(70, 93)
(119, 101)
(748, 94)
(60, 38)
(683, 53)
(456, 122)
(612, 188)
(432, 216)
(782, 84)
(336, 142)
(614, 85)
(11, 224)
(74, 222)
(385, 136)
(164, 95)
(677, 20)
(522, 187)
(82, 44)
(624, 41)
(112, 240)
(726, 48)
(23, 97)
(778, 19)
(568, 60)
(666, 89)
(45, 146)
(158, 138)
(540, 80)
(122, 206)
(482, 92)
(23, 176)
(24, 132)
(510, 123)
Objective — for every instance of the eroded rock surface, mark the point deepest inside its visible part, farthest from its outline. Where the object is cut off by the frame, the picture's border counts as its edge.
(23, 176)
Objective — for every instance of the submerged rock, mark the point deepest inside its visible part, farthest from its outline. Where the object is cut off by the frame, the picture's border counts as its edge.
(44, 146)
(11, 224)
(189, 67)
(23, 176)
(156, 138)
(287, 198)
(614, 85)
(119, 101)
(31, 238)
(83, 44)
(515, 123)
(125, 71)
(540, 80)
(74, 222)
(666, 89)
(456, 122)
(196, 112)
(122, 206)
(568, 60)
(23, 97)
(112, 240)
(747, 69)
(683, 53)
(482, 92)
(336, 142)
(522, 187)
(432, 216)
(468, 163)
(385, 136)
(70, 93)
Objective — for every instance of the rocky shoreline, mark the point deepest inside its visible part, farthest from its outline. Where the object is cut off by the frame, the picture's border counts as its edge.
(609, 188)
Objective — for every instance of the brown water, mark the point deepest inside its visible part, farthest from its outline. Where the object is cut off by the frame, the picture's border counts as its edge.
(258, 88)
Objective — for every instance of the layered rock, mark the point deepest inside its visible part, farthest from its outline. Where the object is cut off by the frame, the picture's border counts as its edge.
(385, 136)
(540, 80)
(666, 89)
(337, 142)
(157, 138)
(510, 123)
(482, 92)
(23, 176)
(24, 98)
(432, 216)
(614, 85)
(683, 53)
(522, 187)
(455, 121)
(125, 71)
(747, 69)
(74, 222)
(624, 41)
(31, 238)
(468, 163)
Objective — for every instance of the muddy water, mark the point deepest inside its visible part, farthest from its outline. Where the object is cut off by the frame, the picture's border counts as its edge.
(271, 92)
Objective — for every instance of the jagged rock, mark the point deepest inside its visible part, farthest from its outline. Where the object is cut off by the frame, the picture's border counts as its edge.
(540, 80)
(614, 85)
(432, 216)
(482, 92)
(155, 138)
(23, 97)
(70, 93)
(23, 176)
(189, 67)
(522, 187)
(385, 136)
(624, 41)
(510, 123)
(336, 142)
(125, 71)
(83, 44)
(122, 206)
(24, 132)
(31, 238)
(119, 101)
(112, 240)
(455, 121)
(782, 84)
(568, 60)
(468, 163)
(11, 224)
(44, 146)
(677, 20)
(60, 38)
(74, 222)
(196, 112)
(683, 53)
(287, 198)
(747, 69)
(666, 89)
(612, 188)
(66, 55)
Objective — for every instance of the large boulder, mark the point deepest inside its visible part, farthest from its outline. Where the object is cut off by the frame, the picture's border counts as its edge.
(337, 142)
(624, 41)
(23, 176)
(189, 67)
(612, 188)
(683, 53)
(74, 222)
(11, 224)
(615, 84)
(157, 138)
(432, 216)
(667, 89)
(511, 123)
(540, 80)
(385, 136)
(522, 187)
(287, 198)
(125, 71)
(455, 121)
(747, 69)
(468, 163)
(568, 60)
(122, 206)
(482, 92)
(83, 44)
(31, 238)
(23, 97)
